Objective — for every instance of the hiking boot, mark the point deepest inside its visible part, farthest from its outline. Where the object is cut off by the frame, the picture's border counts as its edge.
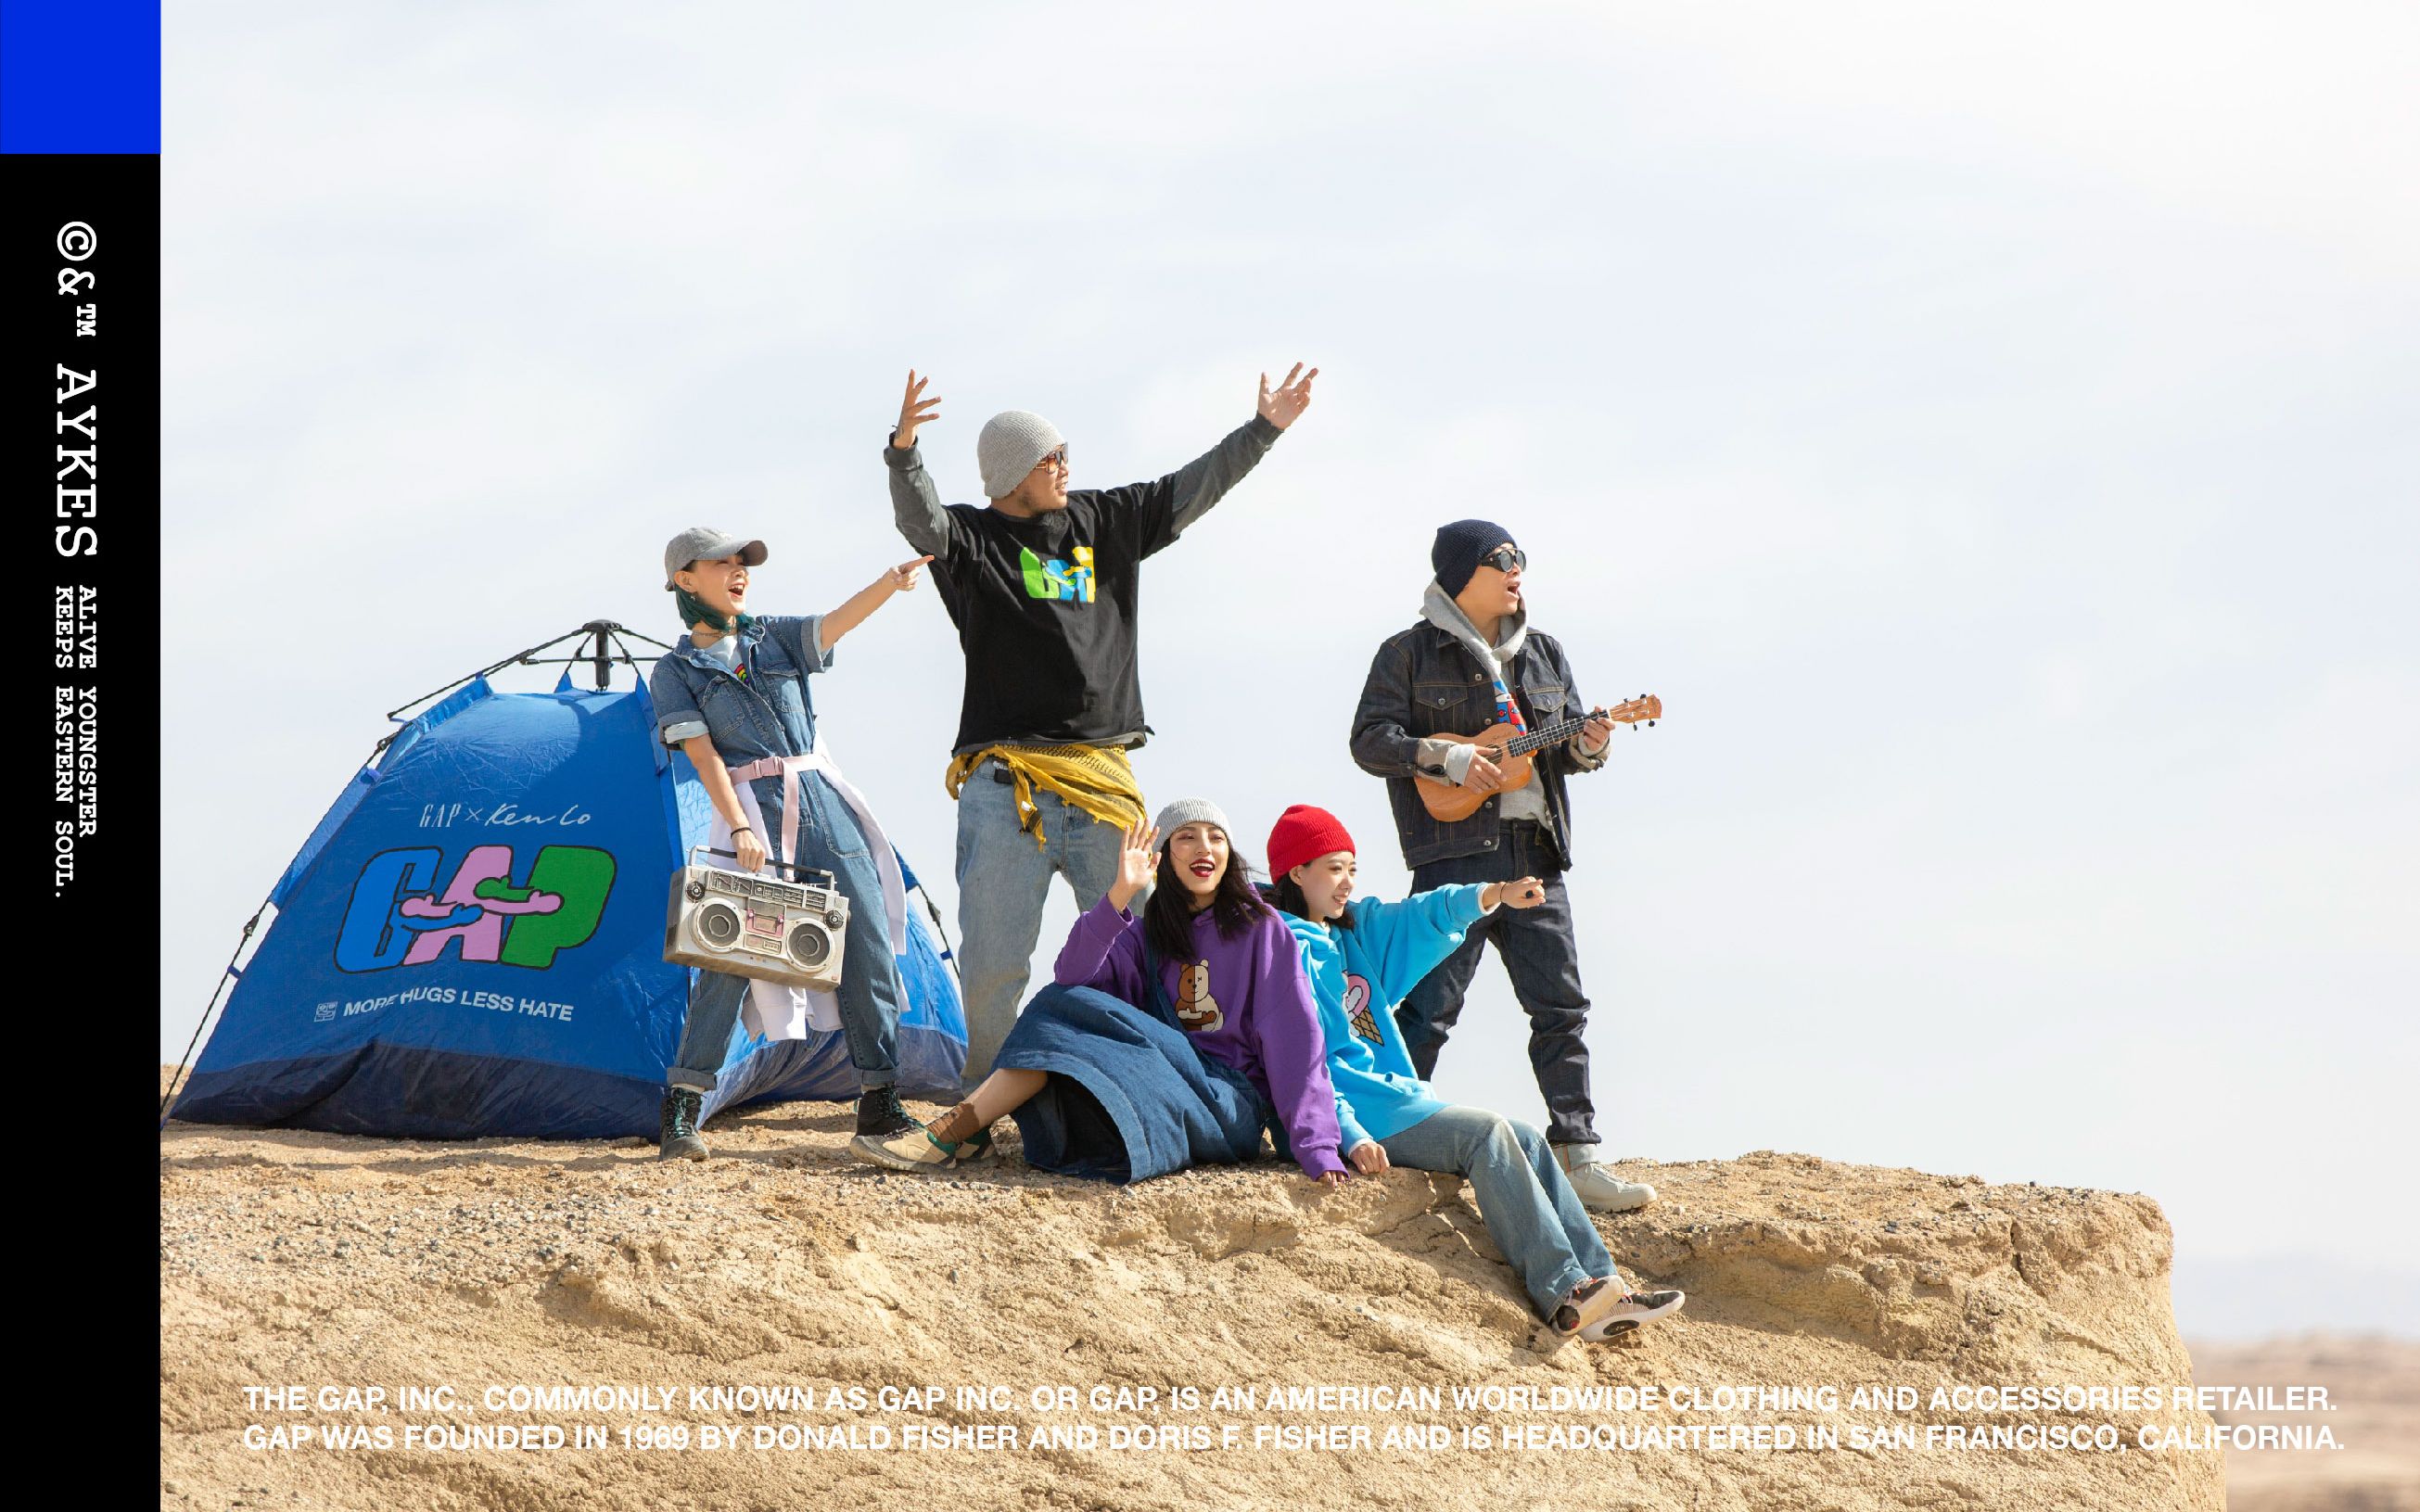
(880, 1115)
(1635, 1308)
(1594, 1183)
(678, 1139)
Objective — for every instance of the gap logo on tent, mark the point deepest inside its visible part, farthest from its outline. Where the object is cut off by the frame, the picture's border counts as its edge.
(400, 916)
(1055, 579)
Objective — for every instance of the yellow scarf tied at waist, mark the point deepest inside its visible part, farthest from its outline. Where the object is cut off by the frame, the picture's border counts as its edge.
(1096, 779)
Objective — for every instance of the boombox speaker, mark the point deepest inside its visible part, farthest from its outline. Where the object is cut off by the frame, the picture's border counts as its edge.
(755, 925)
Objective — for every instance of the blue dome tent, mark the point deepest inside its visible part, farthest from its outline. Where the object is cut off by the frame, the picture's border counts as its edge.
(471, 941)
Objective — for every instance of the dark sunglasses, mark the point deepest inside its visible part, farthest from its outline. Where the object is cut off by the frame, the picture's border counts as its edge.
(1504, 559)
(1053, 460)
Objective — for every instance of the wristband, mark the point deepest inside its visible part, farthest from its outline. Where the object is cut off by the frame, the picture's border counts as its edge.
(744, 830)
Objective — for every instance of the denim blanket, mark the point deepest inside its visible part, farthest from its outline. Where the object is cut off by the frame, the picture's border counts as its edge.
(1128, 1096)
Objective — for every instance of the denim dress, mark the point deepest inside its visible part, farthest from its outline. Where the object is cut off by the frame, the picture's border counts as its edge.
(764, 710)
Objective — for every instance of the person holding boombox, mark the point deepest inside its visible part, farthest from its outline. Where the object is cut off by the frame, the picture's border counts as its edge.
(733, 696)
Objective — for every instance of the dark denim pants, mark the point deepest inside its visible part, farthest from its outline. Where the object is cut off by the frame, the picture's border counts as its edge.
(1542, 958)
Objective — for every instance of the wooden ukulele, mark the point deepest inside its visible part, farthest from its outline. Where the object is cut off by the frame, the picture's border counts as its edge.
(1508, 748)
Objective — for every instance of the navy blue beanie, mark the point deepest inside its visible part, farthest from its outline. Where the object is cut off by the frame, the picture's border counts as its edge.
(1459, 547)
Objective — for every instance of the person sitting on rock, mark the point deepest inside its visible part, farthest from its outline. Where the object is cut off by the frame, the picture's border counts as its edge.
(1361, 956)
(1169, 1039)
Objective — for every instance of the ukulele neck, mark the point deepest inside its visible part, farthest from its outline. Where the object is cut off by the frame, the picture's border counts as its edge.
(1561, 730)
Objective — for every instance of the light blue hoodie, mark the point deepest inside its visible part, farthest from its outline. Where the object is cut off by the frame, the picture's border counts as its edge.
(1358, 976)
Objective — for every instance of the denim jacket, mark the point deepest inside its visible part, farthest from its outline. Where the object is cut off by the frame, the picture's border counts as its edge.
(768, 713)
(1424, 682)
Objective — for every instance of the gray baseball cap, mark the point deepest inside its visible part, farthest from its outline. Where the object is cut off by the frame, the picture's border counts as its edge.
(704, 542)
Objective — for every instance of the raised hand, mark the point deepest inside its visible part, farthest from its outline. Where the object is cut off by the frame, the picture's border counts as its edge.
(1137, 860)
(914, 409)
(903, 578)
(1282, 406)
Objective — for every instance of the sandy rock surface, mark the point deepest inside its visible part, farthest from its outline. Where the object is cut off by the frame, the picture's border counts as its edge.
(291, 1258)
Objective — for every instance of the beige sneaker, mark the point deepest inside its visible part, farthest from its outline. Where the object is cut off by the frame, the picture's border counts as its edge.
(1595, 1184)
(910, 1149)
(949, 1140)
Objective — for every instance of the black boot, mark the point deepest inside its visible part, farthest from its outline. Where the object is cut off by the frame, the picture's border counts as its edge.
(679, 1139)
(880, 1115)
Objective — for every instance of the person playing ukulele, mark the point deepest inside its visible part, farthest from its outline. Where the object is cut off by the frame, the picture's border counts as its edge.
(1471, 663)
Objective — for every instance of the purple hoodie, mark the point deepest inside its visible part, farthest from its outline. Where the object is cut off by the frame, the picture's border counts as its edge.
(1243, 1002)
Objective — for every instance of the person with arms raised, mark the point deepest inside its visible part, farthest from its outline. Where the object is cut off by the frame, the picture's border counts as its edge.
(1044, 584)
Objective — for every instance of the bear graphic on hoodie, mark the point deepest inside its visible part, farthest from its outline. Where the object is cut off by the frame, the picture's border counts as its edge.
(1196, 1009)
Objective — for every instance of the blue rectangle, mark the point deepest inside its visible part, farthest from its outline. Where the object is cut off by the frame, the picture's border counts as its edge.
(80, 76)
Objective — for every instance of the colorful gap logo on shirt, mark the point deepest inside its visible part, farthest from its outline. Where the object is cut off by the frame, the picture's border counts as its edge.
(1055, 579)
(399, 917)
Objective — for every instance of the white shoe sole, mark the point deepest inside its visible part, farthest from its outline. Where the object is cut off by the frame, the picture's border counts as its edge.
(1629, 1322)
(1640, 1195)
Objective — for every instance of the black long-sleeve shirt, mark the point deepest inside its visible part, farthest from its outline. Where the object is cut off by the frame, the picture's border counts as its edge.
(1046, 606)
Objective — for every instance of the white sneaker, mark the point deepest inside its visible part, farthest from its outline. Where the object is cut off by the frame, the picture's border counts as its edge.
(1596, 1185)
(1634, 1308)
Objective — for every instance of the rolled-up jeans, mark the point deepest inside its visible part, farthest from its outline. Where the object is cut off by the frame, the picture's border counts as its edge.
(1003, 881)
(871, 996)
(1529, 1206)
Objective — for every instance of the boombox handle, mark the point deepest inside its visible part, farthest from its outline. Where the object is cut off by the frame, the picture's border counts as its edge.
(832, 883)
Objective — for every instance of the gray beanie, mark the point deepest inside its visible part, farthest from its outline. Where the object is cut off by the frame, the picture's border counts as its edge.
(1011, 442)
(1192, 812)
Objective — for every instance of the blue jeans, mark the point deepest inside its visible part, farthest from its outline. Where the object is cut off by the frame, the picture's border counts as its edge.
(1540, 956)
(1003, 879)
(1526, 1202)
(871, 999)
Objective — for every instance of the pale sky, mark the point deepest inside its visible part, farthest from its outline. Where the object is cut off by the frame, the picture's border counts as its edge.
(1990, 432)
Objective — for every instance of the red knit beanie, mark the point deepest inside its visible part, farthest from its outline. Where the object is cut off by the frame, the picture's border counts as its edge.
(1303, 834)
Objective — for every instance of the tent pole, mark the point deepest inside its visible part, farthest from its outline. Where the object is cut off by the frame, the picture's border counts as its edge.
(225, 977)
(949, 952)
(494, 666)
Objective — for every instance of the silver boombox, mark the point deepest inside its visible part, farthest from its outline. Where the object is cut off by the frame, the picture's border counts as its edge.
(752, 924)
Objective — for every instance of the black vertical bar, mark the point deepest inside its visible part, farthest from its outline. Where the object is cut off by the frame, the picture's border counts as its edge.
(80, 294)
